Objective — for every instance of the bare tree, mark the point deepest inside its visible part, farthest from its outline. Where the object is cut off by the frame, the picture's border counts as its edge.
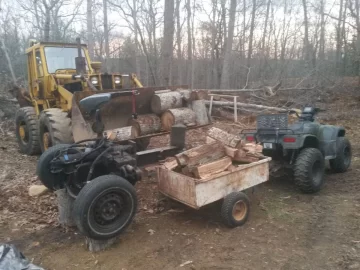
(252, 27)
(89, 29)
(225, 75)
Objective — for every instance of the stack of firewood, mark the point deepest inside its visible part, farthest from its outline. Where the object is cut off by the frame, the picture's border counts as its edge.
(222, 152)
(169, 108)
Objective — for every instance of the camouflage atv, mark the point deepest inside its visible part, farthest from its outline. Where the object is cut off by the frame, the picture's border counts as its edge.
(304, 145)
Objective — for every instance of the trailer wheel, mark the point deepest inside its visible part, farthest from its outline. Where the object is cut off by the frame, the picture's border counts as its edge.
(50, 180)
(235, 209)
(342, 161)
(54, 128)
(309, 170)
(105, 207)
(27, 131)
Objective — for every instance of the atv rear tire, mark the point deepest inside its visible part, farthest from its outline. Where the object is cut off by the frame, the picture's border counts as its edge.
(309, 170)
(235, 209)
(54, 128)
(105, 207)
(342, 161)
(27, 131)
(50, 180)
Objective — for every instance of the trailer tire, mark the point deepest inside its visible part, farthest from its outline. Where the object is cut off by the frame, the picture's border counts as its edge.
(342, 161)
(309, 170)
(105, 207)
(235, 209)
(50, 180)
(54, 128)
(27, 131)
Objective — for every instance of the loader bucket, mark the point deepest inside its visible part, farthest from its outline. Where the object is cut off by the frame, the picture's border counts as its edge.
(114, 114)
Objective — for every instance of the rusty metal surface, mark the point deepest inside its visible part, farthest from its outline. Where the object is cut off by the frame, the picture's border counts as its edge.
(177, 186)
(197, 193)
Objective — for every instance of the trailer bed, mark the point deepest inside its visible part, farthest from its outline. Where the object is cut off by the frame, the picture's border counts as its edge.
(200, 192)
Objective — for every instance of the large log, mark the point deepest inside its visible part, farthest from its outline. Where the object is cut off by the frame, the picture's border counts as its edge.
(208, 169)
(145, 124)
(200, 155)
(120, 134)
(172, 117)
(224, 137)
(201, 114)
(164, 101)
(246, 105)
(185, 94)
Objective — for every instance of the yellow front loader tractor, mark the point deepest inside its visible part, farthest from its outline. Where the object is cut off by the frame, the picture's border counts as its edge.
(59, 76)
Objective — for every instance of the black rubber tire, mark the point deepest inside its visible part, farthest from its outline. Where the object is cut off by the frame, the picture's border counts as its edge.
(58, 124)
(90, 194)
(28, 117)
(305, 178)
(342, 161)
(50, 180)
(227, 209)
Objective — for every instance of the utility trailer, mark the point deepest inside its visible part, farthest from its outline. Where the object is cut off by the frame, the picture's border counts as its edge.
(228, 186)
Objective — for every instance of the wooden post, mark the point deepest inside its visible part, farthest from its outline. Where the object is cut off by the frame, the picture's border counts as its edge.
(235, 109)
(211, 102)
(65, 206)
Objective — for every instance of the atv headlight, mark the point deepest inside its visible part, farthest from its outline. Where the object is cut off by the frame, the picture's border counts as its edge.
(117, 80)
(94, 80)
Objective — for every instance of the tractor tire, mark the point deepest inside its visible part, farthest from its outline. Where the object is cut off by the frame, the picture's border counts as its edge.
(342, 161)
(27, 131)
(48, 179)
(54, 128)
(105, 207)
(309, 170)
(235, 209)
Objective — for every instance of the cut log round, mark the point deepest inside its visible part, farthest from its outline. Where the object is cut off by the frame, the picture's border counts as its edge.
(120, 134)
(164, 101)
(65, 206)
(145, 124)
(201, 113)
(172, 117)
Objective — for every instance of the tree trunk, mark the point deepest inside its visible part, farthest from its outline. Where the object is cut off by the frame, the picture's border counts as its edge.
(339, 37)
(65, 206)
(189, 43)
(201, 113)
(178, 41)
(306, 35)
(47, 25)
(252, 27)
(162, 102)
(225, 76)
(168, 42)
(322, 32)
(106, 31)
(172, 117)
(246, 105)
(145, 124)
(89, 28)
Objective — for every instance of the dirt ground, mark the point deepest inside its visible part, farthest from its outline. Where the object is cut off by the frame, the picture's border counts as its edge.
(286, 229)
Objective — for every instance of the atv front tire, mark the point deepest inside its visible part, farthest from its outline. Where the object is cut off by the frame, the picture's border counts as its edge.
(309, 170)
(105, 207)
(27, 131)
(342, 161)
(54, 128)
(50, 180)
